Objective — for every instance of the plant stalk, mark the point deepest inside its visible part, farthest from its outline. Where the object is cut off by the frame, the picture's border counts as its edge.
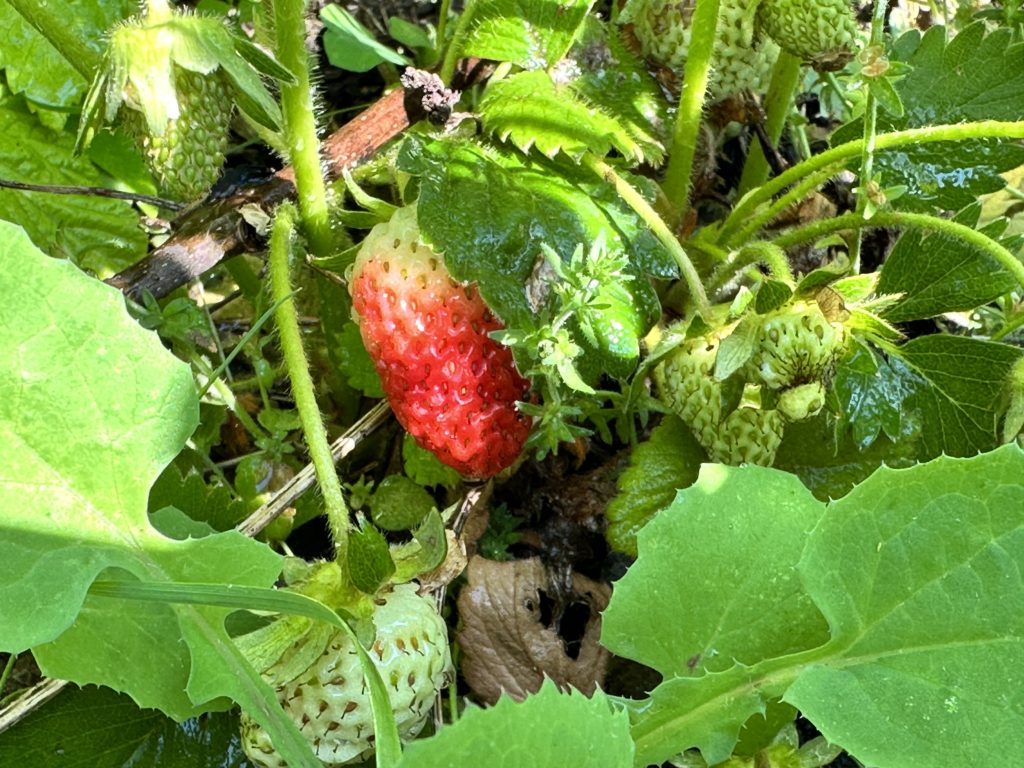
(58, 30)
(281, 239)
(300, 126)
(686, 130)
(856, 221)
(658, 226)
(837, 157)
(777, 104)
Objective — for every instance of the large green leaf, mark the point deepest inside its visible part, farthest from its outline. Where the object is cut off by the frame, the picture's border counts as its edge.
(547, 730)
(534, 34)
(919, 573)
(97, 234)
(34, 67)
(937, 274)
(973, 76)
(92, 409)
(872, 392)
(102, 729)
(489, 212)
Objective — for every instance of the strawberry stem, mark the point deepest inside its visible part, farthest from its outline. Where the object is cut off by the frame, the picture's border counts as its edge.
(300, 126)
(282, 235)
(691, 103)
(57, 28)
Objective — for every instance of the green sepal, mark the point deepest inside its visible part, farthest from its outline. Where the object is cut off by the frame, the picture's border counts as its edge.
(369, 560)
(424, 553)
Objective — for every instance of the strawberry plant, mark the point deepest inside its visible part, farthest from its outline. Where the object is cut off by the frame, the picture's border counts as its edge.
(626, 384)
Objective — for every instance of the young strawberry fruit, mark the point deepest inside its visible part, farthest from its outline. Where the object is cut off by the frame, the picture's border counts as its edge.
(329, 701)
(796, 345)
(748, 436)
(663, 29)
(822, 33)
(451, 386)
(686, 384)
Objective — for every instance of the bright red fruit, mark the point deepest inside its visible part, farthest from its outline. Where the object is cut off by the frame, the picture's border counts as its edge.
(451, 386)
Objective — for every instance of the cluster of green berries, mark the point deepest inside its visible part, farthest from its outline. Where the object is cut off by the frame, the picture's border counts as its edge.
(794, 354)
(748, 37)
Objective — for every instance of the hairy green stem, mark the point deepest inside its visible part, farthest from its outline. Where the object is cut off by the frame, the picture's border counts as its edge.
(454, 49)
(758, 251)
(837, 157)
(686, 130)
(658, 226)
(867, 158)
(442, 30)
(281, 238)
(969, 235)
(792, 197)
(300, 126)
(777, 104)
(58, 30)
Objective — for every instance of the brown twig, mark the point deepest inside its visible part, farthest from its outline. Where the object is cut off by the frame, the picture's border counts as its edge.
(116, 194)
(208, 234)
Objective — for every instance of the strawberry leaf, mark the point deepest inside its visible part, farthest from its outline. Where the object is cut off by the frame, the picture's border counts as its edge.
(489, 212)
(937, 274)
(667, 462)
(958, 392)
(548, 730)
(973, 76)
(98, 235)
(534, 34)
(872, 393)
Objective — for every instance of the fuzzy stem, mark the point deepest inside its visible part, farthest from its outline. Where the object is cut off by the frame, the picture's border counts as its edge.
(58, 31)
(792, 197)
(777, 104)
(837, 157)
(281, 237)
(300, 126)
(442, 29)
(818, 229)
(867, 160)
(451, 54)
(658, 226)
(691, 103)
(758, 251)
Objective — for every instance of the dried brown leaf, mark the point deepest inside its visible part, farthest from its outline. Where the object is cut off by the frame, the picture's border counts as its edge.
(513, 634)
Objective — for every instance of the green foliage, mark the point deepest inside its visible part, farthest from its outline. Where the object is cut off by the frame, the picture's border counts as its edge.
(349, 45)
(534, 34)
(893, 605)
(973, 76)
(108, 730)
(424, 468)
(399, 504)
(547, 730)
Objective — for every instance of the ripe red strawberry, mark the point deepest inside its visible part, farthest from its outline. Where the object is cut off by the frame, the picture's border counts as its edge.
(451, 386)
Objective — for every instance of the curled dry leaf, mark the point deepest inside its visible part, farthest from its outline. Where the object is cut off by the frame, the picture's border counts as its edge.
(513, 635)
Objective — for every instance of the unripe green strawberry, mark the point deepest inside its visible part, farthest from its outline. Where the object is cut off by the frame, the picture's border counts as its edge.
(451, 385)
(185, 158)
(663, 30)
(686, 384)
(822, 33)
(748, 436)
(802, 402)
(329, 701)
(796, 345)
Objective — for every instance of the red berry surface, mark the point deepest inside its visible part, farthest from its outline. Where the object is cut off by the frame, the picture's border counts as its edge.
(451, 386)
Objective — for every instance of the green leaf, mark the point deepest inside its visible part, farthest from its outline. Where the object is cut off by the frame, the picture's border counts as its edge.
(529, 109)
(369, 559)
(736, 348)
(937, 274)
(424, 553)
(214, 505)
(103, 729)
(547, 730)
(407, 33)
(715, 532)
(611, 77)
(351, 46)
(99, 235)
(972, 76)
(490, 212)
(919, 574)
(657, 469)
(94, 410)
(34, 67)
(424, 468)
(354, 362)
(958, 394)
(771, 294)
(534, 34)
(399, 504)
(871, 393)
